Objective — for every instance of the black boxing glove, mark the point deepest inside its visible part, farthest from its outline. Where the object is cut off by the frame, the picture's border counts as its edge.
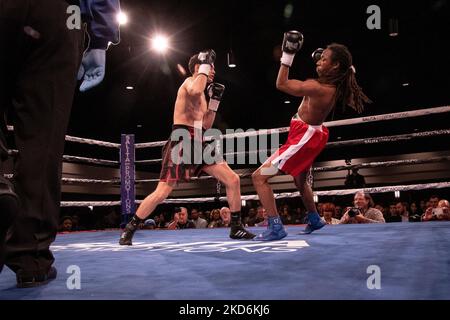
(215, 93)
(206, 59)
(317, 54)
(292, 43)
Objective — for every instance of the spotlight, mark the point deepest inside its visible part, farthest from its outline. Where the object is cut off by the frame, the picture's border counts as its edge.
(129, 87)
(231, 60)
(243, 203)
(316, 198)
(122, 18)
(397, 194)
(160, 43)
(287, 101)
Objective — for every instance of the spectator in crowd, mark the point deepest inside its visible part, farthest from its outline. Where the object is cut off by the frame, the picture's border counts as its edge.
(261, 217)
(441, 212)
(423, 206)
(66, 224)
(198, 222)
(215, 220)
(180, 220)
(381, 208)
(205, 215)
(251, 219)
(162, 224)
(285, 215)
(393, 215)
(434, 200)
(338, 212)
(415, 212)
(354, 180)
(363, 211)
(328, 212)
(225, 215)
(148, 224)
(402, 212)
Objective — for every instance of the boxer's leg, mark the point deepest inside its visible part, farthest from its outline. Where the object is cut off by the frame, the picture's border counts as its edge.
(275, 229)
(223, 173)
(314, 221)
(145, 209)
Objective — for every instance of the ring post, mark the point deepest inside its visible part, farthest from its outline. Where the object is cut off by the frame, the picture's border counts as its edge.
(127, 177)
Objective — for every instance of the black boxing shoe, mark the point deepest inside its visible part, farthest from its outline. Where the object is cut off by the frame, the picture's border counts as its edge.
(239, 232)
(29, 280)
(126, 238)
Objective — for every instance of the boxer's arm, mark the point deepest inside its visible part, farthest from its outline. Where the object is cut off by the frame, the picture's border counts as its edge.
(208, 119)
(294, 87)
(196, 87)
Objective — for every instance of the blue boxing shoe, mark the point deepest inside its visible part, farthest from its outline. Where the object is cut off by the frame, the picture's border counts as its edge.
(314, 223)
(275, 231)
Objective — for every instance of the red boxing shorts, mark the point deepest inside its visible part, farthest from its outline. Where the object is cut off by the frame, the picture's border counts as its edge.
(303, 145)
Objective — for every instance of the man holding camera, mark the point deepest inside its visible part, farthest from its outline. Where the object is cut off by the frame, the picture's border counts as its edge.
(363, 211)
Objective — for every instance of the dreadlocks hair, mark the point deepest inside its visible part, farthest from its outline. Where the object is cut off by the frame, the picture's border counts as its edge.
(347, 89)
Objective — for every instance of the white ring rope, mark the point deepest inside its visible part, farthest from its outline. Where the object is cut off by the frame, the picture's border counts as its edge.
(382, 164)
(90, 203)
(383, 139)
(296, 194)
(437, 185)
(248, 174)
(90, 160)
(337, 168)
(345, 122)
(87, 181)
(407, 136)
(329, 124)
(93, 142)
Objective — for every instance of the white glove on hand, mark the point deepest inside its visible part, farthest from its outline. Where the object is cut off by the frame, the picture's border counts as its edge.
(92, 69)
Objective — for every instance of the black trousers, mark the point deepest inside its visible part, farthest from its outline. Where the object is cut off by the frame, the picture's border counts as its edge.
(39, 61)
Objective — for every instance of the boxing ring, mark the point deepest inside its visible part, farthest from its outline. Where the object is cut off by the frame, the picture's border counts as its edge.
(371, 261)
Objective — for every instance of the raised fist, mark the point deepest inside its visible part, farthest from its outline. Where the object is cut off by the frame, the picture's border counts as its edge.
(215, 92)
(206, 59)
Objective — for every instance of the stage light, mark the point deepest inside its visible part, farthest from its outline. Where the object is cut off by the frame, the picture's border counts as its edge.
(231, 60)
(160, 43)
(122, 18)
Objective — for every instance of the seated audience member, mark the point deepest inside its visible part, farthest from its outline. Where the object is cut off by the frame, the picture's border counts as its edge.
(180, 220)
(328, 212)
(363, 211)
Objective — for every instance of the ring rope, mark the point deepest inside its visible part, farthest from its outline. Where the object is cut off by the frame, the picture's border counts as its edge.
(437, 185)
(248, 174)
(393, 138)
(338, 168)
(381, 117)
(335, 144)
(90, 160)
(296, 194)
(329, 124)
(87, 181)
(93, 142)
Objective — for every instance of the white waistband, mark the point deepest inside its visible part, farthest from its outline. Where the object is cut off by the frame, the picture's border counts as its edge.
(297, 118)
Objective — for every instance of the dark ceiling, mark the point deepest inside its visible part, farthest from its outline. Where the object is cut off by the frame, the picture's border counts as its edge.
(254, 31)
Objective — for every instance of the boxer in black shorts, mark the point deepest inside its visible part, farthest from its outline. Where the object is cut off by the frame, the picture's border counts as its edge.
(183, 158)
